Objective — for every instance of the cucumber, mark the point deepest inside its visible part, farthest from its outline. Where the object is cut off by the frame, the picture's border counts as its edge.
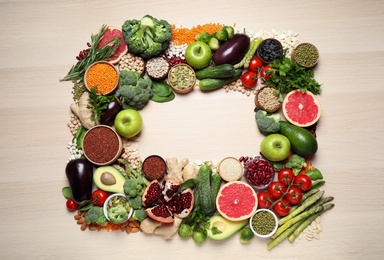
(215, 185)
(206, 201)
(220, 71)
(212, 84)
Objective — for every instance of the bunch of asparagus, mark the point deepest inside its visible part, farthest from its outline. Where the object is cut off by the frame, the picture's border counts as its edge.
(301, 216)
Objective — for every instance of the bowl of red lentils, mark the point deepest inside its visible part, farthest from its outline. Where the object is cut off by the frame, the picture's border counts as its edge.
(103, 75)
(102, 145)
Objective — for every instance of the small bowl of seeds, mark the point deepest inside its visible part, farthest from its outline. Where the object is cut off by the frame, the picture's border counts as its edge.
(182, 78)
(117, 209)
(263, 223)
(157, 68)
(306, 55)
(269, 50)
(267, 99)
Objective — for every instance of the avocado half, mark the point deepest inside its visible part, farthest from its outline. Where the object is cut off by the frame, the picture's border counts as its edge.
(227, 227)
(109, 179)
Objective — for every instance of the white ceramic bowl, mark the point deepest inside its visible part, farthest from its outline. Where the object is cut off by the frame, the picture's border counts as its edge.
(106, 207)
(274, 229)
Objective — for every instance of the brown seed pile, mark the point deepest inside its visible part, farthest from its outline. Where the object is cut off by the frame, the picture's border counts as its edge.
(73, 124)
(267, 99)
(132, 62)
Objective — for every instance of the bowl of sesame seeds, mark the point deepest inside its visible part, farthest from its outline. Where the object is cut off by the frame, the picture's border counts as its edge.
(101, 75)
(267, 99)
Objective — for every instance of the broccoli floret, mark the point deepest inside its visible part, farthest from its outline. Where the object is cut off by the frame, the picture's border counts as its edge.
(296, 163)
(134, 187)
(267, 123)
(139, 214)
(96, 215)
(148, 37)
(118, 214)
(135, 202)
(135, 91)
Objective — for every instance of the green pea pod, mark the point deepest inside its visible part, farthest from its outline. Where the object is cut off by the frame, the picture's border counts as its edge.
(317, 184)
(314, 174)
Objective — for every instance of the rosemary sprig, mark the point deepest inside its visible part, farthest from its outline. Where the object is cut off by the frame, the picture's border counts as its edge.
(76, 73)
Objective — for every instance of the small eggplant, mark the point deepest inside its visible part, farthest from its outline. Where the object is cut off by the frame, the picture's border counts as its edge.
(233, 50)
(109, 114)
(80, 175)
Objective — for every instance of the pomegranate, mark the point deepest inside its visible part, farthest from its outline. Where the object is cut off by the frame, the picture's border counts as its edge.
(164, 201)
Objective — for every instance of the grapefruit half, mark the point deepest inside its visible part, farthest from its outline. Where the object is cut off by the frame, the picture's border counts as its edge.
(114, 32)
(301, 108)
(236, 201)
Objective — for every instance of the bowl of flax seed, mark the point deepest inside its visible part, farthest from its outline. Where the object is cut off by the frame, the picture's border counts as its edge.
(267, 99)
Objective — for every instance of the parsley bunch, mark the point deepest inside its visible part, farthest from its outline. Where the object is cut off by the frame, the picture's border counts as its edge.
(287, 75)
(98, 103)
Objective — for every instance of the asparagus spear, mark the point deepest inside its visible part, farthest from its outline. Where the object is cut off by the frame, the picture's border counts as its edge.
(284, 235)
(305, 196)
(302, 216)
(306, 203)
(302, 226)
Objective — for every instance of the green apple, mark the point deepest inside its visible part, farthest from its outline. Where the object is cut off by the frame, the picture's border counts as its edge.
(275, 147)
(128, 123)
(198, 55)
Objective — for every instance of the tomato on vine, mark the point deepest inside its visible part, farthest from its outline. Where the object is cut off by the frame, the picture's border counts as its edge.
(255, 64)
(282, 208)
(277, 189)
(71, 204)
(286, 176)
(264, 199)
(303, 182)
(263, 73)
(249, 79)
(294, 195)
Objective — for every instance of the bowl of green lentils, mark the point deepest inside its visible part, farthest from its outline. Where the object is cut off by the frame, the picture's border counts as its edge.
(263, 223)
(306, 55)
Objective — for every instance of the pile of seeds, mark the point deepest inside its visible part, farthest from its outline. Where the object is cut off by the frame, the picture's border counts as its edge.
(312, 231)
(263, 223)
(132, 62)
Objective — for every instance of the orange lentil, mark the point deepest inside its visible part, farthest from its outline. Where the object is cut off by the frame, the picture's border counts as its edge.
(109, 227)
(182, 35)
(103, 76)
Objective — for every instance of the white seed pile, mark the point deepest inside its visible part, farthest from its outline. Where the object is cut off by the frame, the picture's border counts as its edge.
(74, 123)
(174, 50)
(74, 153)
(131, 151)
(312, 231)
(238, 86)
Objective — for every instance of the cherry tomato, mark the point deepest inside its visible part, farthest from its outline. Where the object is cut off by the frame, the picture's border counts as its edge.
(303, 182)
(286, 176)
(99, 197)
(294, 195)
(277, 189)
(282, 208)
(71, 205)
(263, 73)
(249, 79)
(255, 64)
(264, 199)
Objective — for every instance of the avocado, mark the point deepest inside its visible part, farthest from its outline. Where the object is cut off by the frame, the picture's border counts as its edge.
(303, 142)
(227, 227)
(109, 179)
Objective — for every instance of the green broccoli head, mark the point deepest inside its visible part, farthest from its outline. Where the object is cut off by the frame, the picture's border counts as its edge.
(148, 37)
(135, 202)
(267, 123)
(96, 215)
(296, 163)
(118, 214)
(135, 91)
(139, 214)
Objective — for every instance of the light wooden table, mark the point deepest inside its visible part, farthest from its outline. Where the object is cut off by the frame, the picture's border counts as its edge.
(40, 40)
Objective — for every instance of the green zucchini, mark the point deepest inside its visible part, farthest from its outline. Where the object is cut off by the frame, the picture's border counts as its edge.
(206, 201)
(216, 72)
(212, 84)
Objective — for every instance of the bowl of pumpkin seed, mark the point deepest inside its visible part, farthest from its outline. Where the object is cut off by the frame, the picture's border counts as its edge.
(263, 223)
(182, 78)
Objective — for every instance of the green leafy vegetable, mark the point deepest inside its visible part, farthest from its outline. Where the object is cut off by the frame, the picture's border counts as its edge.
(267, 123)
(296, 163)
(98, 103)
(67, 192)
(96, 215)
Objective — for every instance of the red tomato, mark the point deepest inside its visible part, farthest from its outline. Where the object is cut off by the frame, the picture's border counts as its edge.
(294, 195)
(249, 79)
(71, 205)
(286, 176)
(263, 73)
(303, 182)
(255, 64)
(264, 199)
(277, 189)
(282, 208)
(99, 197)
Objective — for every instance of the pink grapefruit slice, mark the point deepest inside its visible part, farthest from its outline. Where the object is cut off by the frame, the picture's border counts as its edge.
(301, 108)
(114, 32)
(236, 201)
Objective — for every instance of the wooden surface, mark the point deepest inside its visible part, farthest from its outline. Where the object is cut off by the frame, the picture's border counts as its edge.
(40, 40)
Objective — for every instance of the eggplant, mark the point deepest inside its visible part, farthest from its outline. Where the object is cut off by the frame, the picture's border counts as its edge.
(233, 50)
(109, 114)
(80, 174)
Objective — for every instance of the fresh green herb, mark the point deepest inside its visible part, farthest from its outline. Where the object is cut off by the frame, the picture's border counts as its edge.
(67, 192)
(287, 75)
(95, 54)
(98, 103)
